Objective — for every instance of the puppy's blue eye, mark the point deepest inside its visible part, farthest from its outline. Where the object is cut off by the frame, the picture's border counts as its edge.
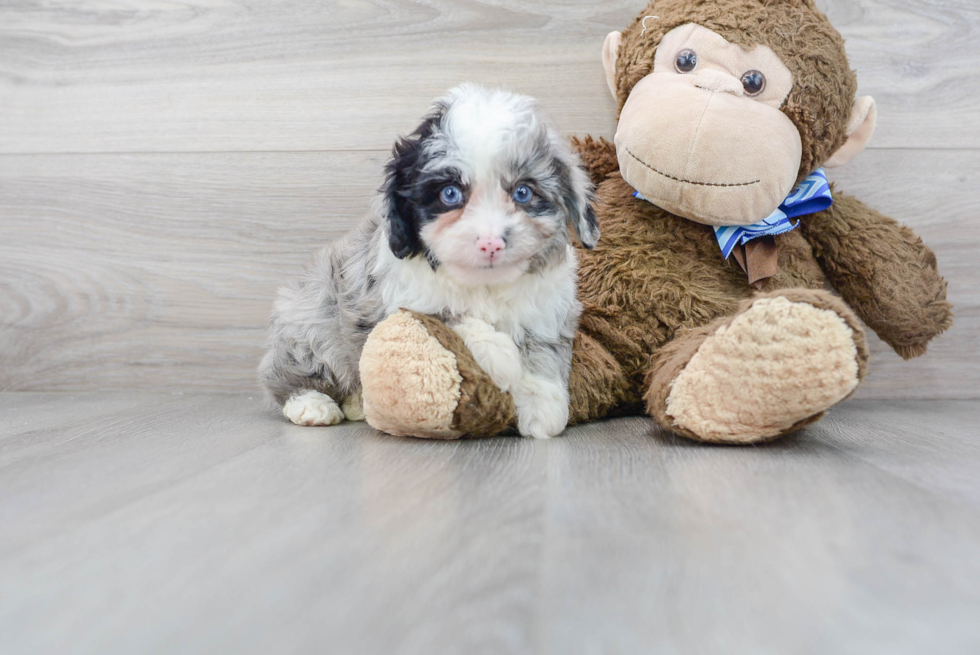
(451, 195)
(523, 194)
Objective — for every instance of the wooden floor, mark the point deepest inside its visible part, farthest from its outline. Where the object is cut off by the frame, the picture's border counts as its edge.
(165, 166)
(149, 523)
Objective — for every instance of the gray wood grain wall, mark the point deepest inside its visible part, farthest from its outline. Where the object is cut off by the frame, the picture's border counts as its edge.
(165, 166)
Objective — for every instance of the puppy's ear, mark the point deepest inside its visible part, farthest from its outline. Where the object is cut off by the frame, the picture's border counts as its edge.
(588, 226)
(401, 174)
(577, 198)
(403, 238)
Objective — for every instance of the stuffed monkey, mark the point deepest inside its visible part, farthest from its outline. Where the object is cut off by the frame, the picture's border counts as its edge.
(727, 293)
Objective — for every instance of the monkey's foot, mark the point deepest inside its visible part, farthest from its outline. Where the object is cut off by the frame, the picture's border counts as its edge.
(774, 367)
(419, 380)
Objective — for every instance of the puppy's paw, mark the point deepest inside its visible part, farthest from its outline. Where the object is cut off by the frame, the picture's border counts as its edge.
(495, 352)
(312, 408)
(542, 407)
(353, 407)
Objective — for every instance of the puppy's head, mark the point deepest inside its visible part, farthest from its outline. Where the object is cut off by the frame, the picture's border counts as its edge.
(486, 187)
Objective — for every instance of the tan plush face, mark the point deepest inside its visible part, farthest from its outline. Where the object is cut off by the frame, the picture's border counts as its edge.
(703, 136)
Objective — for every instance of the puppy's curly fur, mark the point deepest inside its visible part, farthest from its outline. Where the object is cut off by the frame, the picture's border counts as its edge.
(471, 227)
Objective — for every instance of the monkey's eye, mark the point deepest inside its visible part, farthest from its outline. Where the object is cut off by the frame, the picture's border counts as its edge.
(451, 196)
(523, 194)
(754, 83)
(687, 61)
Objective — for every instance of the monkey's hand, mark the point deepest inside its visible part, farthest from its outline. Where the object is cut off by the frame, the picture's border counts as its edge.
(883, 271)
(598, 155)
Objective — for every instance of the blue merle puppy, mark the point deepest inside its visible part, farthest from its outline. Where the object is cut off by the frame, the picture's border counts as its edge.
(471, 226)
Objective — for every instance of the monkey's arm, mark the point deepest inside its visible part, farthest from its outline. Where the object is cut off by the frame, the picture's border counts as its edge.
(883, 271)
(598, 155)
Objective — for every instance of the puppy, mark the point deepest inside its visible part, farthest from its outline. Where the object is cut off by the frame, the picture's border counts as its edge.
(471, 225)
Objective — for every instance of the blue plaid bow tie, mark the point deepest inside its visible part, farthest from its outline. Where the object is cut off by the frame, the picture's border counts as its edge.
(811, 196)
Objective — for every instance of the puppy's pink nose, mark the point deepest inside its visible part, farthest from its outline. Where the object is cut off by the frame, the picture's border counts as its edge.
(491, 245)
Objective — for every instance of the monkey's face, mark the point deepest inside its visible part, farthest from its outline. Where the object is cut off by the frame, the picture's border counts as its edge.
(704, 137)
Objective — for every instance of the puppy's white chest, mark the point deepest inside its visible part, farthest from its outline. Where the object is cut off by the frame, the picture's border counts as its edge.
(535, 302)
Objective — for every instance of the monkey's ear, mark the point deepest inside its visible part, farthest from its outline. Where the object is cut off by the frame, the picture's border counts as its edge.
(610, 53)
(864, 117)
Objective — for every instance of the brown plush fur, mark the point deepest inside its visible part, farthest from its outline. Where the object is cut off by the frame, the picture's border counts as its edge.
(598, 156)
(884, 271)
(654, 274)
(669, 269)
(825, 86)
(597, 385)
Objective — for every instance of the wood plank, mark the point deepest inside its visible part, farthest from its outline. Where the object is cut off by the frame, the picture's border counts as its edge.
(158, 271)
(204, 523)
(217, 75)
(229, 75)
(931, 445)
(804, 546)
(200, 524)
